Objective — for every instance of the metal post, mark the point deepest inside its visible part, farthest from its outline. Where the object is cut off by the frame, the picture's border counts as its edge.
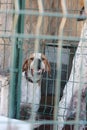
(15, 82)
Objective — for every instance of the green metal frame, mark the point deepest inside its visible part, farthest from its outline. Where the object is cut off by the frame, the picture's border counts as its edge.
(16, 68)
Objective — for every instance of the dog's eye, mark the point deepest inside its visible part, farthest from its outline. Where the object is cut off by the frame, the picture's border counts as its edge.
(31, 59)
(43, 59)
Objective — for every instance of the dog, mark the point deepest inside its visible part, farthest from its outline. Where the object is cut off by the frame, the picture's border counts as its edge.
(82, 11)
(74, 94)
(32, 71)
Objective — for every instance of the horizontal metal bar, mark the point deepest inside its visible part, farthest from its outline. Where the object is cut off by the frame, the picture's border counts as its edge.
(52, 122)
(48, 37)
(36, 13)
(14, 70)
(65, 44)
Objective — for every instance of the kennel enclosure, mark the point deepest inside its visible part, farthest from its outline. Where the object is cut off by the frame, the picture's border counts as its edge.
(29, 26)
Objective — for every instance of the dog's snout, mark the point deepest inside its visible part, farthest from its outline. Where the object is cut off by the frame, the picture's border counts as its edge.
(39, 64)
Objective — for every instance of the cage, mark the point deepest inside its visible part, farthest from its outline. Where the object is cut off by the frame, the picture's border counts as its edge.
(32, 26)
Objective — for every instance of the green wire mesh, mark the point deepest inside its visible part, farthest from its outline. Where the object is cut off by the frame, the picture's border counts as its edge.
(47, 41)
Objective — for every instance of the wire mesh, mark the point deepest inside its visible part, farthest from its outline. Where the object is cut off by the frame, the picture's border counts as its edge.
(44, 32)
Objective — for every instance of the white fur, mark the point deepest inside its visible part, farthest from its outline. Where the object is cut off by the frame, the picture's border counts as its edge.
(4, 95)
(76, 86)
(31, 93)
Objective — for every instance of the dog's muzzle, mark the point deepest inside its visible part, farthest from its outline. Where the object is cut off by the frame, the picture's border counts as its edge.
(38, 64)
(37, 68)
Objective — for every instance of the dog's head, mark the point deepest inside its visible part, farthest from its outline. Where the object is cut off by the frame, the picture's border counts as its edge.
(36, 64)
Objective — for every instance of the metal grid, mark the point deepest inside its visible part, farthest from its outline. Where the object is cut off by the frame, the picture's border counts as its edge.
(39, 29)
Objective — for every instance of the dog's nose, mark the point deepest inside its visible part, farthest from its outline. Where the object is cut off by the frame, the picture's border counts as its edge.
(38, 64)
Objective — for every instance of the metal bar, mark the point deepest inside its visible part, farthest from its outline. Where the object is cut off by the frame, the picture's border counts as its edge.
(48, 37)
(12, 100)
(39, 24)
(59, 63)
(85, 1)
(15, 84)
(20, 43)
(37, 44)
(36, 13)
(65, 44)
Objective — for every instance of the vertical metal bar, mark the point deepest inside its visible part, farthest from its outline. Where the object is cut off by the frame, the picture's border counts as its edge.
(20, 43)
(39, 23)
(15, 82)
(85, 2)
(37, 44)
(18, 88)
(59, 54)
(13, 71)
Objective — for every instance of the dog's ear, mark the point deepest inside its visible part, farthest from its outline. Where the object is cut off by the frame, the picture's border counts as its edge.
(47, 64)
(25, 66)
(48, 67)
